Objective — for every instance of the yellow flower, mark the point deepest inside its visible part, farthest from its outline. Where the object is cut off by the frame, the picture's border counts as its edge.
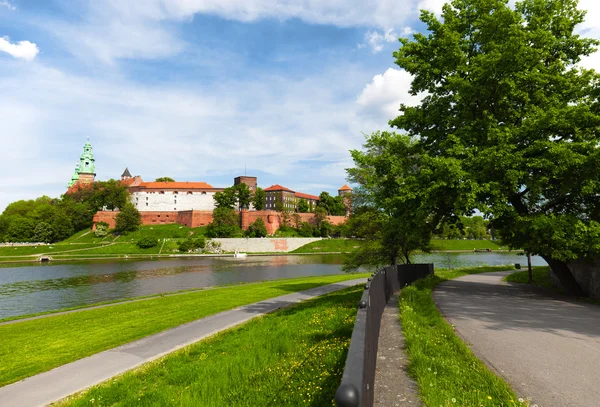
(489, 397)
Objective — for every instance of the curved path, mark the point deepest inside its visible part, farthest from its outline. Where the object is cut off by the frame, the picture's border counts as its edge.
(546, 347)
(48, 387)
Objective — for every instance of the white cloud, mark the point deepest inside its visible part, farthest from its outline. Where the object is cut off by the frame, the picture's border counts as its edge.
(22, 50)
(5, 3)
(376, 40)
(382, 97)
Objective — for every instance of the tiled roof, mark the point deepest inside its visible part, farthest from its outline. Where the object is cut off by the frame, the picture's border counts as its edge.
(307, 196)
(278, 187)
(175, 185)
(345, 188)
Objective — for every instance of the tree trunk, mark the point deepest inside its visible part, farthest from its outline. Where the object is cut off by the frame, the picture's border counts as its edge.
(529, 270)
(566, 278)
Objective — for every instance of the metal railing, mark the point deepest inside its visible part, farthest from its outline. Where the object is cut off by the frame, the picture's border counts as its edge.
(356, 389)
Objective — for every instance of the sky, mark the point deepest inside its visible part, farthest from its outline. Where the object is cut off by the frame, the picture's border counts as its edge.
(200, 90)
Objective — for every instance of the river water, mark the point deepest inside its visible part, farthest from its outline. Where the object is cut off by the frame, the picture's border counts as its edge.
(27, 289)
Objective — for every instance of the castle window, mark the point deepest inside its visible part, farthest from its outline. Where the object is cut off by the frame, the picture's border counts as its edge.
(146, 203)
(174, 209)
(162, 192)
(189, 192)
(159, 216)
(203, 193)
(175, 192)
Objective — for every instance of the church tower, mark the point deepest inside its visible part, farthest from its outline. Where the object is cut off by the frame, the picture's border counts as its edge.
(85, 167)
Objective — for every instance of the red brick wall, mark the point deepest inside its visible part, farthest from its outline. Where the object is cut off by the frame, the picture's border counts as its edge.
(193, 219)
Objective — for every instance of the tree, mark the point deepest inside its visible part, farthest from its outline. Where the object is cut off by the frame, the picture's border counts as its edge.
(259, 199)
(226, 198)
(297, 220)
(303, 206)
(164, 179)
(306, 230)
(243, 195)
(391, 214)
(128, 219)
(333, 205)
(146, 242)
(320, 216)
(513, 116)
(257, 228)
(101, 229)
(20, 229)
(225, 223)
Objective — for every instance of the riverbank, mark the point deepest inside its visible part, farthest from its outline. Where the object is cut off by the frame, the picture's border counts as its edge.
(38, 345)
(98, 249)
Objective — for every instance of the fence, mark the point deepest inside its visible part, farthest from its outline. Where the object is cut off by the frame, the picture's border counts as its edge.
(356, 389)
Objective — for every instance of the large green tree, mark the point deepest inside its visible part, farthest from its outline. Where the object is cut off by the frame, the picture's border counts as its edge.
(510, 111)
(259, 199)
(226, 223)
(128, 219)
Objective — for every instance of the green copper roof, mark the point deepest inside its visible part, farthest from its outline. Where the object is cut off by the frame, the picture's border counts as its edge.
(86, 163)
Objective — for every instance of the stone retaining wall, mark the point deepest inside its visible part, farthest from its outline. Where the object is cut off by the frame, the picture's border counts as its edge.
(257, 245)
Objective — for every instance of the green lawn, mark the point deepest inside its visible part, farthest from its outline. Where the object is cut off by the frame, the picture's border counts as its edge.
(329, 246)
(294, 357)
(442, 244)
(444, 367)
(35, 346)
(29, 251)
(173, 231)
(540, 277)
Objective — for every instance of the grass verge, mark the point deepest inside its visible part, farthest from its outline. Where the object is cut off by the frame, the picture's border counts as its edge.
(293, 357)
(446, 370)
(441, 244)
(329, 246)
(35, 346)
(541, 278)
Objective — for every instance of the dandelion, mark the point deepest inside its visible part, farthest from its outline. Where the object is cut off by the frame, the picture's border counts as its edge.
(453, 400)
(521, 399)
(489, 397)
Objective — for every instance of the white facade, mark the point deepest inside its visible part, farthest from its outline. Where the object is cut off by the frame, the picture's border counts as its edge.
(184, 200)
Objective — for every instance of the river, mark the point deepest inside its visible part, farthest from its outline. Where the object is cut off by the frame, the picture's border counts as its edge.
(28, 289)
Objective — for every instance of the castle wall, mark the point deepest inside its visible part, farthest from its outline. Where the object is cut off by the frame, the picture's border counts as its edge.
(152, 201)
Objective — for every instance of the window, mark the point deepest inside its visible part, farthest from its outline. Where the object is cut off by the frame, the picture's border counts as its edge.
(189, 192)
(146, 203)
(146, 198)
(174, 209)
(159, 216)
(162, 192)
(176, 201)
(175, 192)
(203, 193)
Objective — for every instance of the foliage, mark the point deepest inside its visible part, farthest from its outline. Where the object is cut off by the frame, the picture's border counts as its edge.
(257, 228)
(513, 117)
(243, 194)
(239, 195)
(190, 244)
(164, 179)
(225, 199)
(101, 229)
(303, 206)
(325, 228)
(128, 219)
(464, 227)
(393, 215)
(296, 220)
(332, 205)
(146, 243)
(306, 230)
(43, 232)
(320, 216)
(225, 223)
(259, 199)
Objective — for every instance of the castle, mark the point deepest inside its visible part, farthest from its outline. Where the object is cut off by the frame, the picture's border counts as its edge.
(192, 203)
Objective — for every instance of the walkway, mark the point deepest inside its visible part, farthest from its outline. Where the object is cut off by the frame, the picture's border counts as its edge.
(393, 387)
(58, 383)
(547, 347)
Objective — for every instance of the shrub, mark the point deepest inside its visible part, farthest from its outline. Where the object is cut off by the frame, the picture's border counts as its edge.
(101, 229)
(146, 242)
(257, 229)
(306, 230)
(190, 244)
(225, 223)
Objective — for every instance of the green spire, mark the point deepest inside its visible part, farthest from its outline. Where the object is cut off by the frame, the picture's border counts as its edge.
(87, 162)
(75, 175)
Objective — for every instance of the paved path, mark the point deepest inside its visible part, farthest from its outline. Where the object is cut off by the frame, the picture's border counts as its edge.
(58, 383)
(393, 387)
(547, 347)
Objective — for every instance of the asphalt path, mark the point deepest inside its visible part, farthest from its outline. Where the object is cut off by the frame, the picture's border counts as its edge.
(51, 386)
(546, 346)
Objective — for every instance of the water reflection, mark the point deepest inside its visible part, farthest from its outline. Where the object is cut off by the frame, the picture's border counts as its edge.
(30, 289)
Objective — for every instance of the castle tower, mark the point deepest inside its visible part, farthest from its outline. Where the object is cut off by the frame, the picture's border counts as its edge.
(87, 165)
(126, 174)
(346, 193)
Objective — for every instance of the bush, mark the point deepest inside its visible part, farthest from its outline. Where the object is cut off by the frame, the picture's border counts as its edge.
(325, 229)
(257, 229)
(101, 229)
(129, 219)
(225, 223)
(146, 242)
(306, 230)
(190, 244)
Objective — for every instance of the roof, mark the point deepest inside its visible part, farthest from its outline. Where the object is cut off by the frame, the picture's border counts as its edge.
(126, 173)
(278, 187)
(175, 185)
(345, 188)
(307, 196)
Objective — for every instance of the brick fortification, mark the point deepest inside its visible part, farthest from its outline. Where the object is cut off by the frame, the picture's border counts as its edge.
(273, 220)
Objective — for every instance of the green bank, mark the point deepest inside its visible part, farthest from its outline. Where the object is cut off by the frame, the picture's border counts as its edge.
(34, 346)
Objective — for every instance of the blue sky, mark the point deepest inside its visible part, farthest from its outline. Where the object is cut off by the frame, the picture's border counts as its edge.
(199, 89)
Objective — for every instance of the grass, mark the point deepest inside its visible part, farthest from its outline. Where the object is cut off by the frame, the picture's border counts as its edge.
(445, 369)
(541, 278)
(293, 357)
(173, 231)
(31, 347)
(29, 251)
(329, 246)
(442, 244)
